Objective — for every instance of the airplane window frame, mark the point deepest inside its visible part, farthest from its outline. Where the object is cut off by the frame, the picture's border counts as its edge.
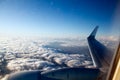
(114, 64)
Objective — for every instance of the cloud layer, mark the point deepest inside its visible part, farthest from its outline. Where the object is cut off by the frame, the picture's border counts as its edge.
(40, 54)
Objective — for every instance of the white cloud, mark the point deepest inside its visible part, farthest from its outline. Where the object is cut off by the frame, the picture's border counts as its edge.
(34, 54)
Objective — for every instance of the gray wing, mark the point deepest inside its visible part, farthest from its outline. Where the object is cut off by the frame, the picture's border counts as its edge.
(100, 54)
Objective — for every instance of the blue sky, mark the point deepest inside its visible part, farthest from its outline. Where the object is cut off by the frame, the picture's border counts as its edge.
(56, 17)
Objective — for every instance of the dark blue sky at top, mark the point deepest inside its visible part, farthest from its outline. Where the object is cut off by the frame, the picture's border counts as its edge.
(56, 17)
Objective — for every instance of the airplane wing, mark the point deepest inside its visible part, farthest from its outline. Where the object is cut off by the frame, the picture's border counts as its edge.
(101, 56)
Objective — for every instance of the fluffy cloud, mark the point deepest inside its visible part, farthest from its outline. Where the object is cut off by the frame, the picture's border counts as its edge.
(38, 54)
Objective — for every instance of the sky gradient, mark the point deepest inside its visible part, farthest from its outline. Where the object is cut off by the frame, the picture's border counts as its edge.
(56, 17)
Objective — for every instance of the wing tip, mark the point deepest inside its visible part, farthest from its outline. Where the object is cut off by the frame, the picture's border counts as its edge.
(93, 34)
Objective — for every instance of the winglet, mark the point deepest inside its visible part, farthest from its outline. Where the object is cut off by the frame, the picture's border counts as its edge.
(93, 34)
